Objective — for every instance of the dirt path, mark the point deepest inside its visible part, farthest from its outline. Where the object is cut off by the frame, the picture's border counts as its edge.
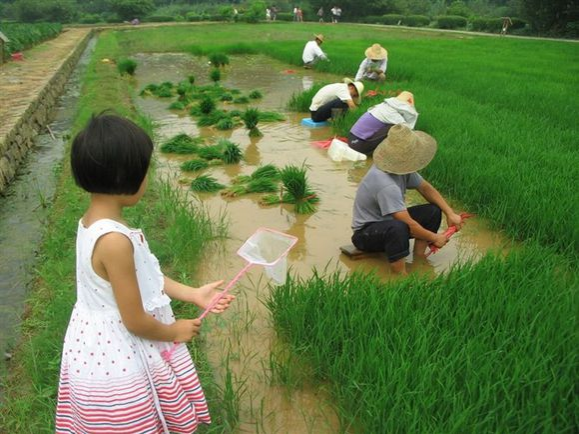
(21, 82)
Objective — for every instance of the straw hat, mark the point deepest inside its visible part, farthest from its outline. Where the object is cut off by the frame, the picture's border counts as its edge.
(319, 37)
(406, 96)
(404, 151)
(376, 52)
(359, 87)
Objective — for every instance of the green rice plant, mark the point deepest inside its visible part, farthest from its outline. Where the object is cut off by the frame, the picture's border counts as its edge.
(225, 123)
(206, 105)
(269, 171)
(241, 100)
(251, 118)
(211, 119)
(425, 356)
(215, 75)
(181, 144)
(301, 101)
(149, 89)
(226, 97)
(183, 88)
(218, 59)
(297, 190)
(271, 199)
(231, 153)
(255, 94)
(177, 105)
(191, 79)
(126, 66)
(260, 185)
(194, 165)
(206, 184)
(235, 91)
(211, 152)
(265, 116)
(235, 113)
(164, 92)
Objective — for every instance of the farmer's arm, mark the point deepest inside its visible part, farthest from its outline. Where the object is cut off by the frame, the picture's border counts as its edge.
(351, 103)
(418, 231)
(432, 195)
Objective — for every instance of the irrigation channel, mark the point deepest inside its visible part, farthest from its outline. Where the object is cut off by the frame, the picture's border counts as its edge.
(23, 208)
(242, 341)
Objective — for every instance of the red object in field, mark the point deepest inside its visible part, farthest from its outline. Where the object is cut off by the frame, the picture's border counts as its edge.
(371, 93)
(449, 233)
(325, 144)
(289, 71)
(17, 56)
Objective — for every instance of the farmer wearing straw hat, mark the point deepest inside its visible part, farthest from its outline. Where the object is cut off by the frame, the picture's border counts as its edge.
(335, 96)
(313, 53)
(373, 67)
(381, 221)
(373, 126)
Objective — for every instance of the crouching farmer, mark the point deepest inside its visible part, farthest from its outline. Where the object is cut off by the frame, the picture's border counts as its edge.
(381, 221)
(341, 96)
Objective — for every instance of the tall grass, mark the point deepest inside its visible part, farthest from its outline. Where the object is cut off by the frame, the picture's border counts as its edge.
(490, 347)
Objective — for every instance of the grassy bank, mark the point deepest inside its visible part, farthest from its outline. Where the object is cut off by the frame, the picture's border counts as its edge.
(176, 232)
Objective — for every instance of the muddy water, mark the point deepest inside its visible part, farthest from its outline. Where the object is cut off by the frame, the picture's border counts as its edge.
(243, 337)
(23, 210)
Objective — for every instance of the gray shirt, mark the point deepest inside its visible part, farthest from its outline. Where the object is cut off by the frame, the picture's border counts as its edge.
(380, 194)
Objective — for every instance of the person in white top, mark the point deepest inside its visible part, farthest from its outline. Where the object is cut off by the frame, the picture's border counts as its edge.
(373, 67)
(335, 96)
(313, 52)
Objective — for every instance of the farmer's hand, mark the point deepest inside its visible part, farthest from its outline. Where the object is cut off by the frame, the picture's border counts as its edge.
(207, 293)
(453, 219)
(440, 240)
(186, 329)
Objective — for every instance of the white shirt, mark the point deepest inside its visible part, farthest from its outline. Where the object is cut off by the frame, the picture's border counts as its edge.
(329, 93)
(311, 51)
(368, 63)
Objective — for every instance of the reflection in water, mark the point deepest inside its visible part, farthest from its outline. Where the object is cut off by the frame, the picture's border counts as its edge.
(244, 332)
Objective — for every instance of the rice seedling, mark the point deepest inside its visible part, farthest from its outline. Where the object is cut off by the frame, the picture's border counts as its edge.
(225, 123)
(194, 165)
(255, 94)
(206, 105)
(297, 190)
(177, 105)
(149, 89)
(269, 171)
(181, 144)
(231, 153)
(301, 101)
(226, 97)
(191, 79)
(265, 116)
(241, 100)
(235, 113)
(215, 75)
(218, 59)
(164, 92)
(235, 91)
(211, 119)
(211, 152)
(251, 118)
(206, 184)
(126, 66)
(259, 185)
(183, 88)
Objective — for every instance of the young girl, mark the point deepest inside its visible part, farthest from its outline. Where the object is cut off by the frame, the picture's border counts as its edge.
(113, 376)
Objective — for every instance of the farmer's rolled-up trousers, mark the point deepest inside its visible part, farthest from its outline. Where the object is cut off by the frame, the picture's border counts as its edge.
(323, 113)
(393, 236)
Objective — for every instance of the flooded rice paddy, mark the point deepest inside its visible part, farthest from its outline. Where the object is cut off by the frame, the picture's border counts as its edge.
(242, 340)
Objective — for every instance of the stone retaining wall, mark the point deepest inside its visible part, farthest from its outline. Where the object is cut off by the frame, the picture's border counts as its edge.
(15, 144)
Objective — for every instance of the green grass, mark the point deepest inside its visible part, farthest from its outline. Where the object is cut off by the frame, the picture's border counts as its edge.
(490, 347)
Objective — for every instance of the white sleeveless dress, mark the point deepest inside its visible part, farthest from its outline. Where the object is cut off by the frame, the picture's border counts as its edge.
(112, 381)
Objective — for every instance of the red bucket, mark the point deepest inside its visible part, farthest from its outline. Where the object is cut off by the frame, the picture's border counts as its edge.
(17, 56)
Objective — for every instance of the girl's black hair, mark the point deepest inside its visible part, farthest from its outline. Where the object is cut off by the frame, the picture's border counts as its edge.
(111, 155)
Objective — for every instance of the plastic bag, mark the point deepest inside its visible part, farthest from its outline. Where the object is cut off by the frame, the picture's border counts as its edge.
(340, 151)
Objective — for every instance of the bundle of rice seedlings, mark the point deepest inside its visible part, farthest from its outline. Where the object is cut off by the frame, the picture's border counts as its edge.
(206, 183)
(215, 75)
(225, 123)
(210, 119)
(251, 118)
(269, 171)
(177, 105)
(149, 89)
(235, 91)
(191, 79)
(231, 153)
(164, 92)
(181, 144)
(206, 105)
(218, 59)
(255, 94)
(235, 113)
(210, 152)
(271, 117)
(262, 185)
(270, 199)
(241, 100)
(297, 190)
(183, 88)
(194, 165)
(226, 97)
(126, 66)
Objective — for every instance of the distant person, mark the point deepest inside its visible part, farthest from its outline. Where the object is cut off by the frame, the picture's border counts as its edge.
(381, 221)
(373, 126)
(300, 14)
(506, 23)
(273, 13)
(268, 14)
(120, 369)
(135, 21)
(320, 15)
(373, 67)
(334, 12)
(295, 12)
(313, 52)
(341, 96)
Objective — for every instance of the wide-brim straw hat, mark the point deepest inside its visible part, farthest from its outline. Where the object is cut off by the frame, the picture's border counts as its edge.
(406, 96)
(319, 37)
(404, 151)
(359, 87)
(376, 52)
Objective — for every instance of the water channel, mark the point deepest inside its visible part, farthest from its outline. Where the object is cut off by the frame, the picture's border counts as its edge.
(23, 208)
(242, 340)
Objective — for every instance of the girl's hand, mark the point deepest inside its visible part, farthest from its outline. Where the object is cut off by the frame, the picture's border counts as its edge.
(186, 329)
(207, 293)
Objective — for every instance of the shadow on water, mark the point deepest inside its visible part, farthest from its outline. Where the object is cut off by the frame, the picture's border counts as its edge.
(23, 210)
(244, 336)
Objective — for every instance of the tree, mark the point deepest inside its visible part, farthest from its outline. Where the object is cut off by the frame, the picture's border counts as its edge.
(129, 9)
(549, 16)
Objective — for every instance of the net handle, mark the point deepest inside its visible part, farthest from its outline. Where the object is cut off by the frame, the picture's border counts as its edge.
(225, 290)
